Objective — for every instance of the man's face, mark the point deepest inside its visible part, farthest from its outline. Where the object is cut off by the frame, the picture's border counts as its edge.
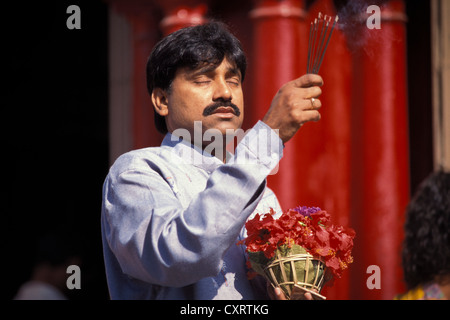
(212, 95)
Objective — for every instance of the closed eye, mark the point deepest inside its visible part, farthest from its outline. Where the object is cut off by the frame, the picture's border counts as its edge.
(202, 81)
(234, 83)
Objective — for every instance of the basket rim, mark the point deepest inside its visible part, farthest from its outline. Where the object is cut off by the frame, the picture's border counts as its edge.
(295, 256)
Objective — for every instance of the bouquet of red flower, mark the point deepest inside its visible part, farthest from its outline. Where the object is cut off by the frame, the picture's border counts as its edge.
(299, 249)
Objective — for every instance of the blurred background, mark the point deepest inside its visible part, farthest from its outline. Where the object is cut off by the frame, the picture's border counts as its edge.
(76, 99)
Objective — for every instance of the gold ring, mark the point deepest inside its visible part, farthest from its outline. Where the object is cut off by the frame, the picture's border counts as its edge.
(312, 102)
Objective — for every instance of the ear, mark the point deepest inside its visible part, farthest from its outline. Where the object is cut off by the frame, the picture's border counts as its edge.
(160, 101)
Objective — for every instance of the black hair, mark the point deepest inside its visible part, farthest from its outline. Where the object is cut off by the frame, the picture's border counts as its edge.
(191, 47)
(426, 247)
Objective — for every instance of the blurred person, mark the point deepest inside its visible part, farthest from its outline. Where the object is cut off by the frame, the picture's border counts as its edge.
(426, 247)
(49, 273)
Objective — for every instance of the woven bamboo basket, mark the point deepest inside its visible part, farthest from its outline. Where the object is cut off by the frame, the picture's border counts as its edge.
(299, 273)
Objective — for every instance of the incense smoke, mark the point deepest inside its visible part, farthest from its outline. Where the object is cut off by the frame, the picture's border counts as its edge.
(353, 16)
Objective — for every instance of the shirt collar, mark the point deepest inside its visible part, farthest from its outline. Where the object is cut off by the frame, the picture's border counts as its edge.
(190, 153)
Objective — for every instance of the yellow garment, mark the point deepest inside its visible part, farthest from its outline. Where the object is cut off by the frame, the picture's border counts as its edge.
(425, 292)
(414, 294)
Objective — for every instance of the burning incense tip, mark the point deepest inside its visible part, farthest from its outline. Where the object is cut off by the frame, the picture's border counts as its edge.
(319, 31)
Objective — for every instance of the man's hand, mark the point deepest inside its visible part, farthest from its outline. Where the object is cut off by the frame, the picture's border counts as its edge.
(297, 294)
(295, 104)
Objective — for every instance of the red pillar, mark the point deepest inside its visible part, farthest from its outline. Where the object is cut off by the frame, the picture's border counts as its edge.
(278, 30)
(181, 14)
(315, 170)
(143, 17)
(328, 168)
(144, 38)
(381, 180)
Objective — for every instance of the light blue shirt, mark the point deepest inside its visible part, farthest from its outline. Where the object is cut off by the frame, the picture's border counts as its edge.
(171, 217)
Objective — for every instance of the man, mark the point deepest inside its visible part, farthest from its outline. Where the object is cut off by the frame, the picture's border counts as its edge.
(172, 215)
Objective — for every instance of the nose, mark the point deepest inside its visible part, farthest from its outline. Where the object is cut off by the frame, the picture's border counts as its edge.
(222, 91)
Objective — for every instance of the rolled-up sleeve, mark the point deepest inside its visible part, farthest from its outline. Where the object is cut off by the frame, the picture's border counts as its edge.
(156, 239)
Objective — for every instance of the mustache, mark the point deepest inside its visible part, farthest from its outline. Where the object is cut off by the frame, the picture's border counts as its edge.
(221, 103)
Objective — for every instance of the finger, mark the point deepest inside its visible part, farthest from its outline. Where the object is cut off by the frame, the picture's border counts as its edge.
(311, 115)
(279, 295)
(308, 80)
(312, 104)
(308, 296)
(312, 92)
(301, 294)
(307, 111)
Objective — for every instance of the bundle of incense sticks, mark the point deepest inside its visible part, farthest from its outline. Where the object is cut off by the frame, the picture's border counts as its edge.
(320, 30)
